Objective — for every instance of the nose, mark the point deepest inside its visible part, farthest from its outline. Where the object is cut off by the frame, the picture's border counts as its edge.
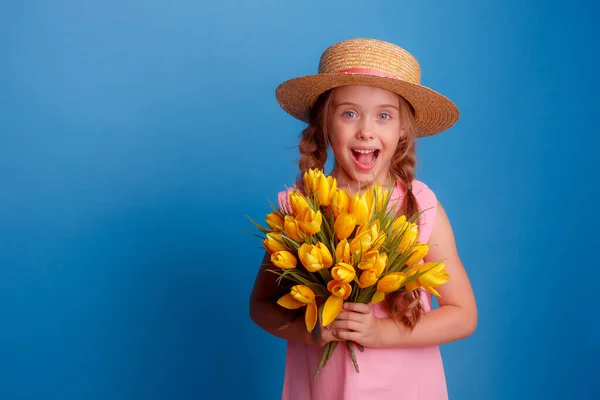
(364, 131)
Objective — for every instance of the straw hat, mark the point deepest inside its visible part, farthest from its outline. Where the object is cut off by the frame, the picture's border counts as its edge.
(374, 63)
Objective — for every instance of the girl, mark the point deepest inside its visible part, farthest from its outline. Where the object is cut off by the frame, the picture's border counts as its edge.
(366, 103)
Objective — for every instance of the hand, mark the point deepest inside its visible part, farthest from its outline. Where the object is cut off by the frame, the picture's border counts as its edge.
(322, 335)
(356, 322)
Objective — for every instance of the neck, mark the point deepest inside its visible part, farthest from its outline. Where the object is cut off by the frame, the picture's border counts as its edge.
(354, 186)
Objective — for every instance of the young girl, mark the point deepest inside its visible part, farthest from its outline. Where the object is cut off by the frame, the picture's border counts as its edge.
(366, 103)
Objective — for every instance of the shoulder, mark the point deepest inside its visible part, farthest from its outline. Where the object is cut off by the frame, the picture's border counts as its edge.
(425, 196)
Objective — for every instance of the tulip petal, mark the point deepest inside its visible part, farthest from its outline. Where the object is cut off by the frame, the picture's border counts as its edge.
(378, 297)
(412, 285)
(331, 309)
(310, 318)
(289, 302)
(431, 290)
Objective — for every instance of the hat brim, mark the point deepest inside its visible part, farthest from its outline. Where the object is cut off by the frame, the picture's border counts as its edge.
(434, 112)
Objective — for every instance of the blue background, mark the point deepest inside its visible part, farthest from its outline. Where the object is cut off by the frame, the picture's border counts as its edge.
(136, 135)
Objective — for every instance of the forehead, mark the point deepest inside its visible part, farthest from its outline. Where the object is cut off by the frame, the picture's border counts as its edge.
(364, 95)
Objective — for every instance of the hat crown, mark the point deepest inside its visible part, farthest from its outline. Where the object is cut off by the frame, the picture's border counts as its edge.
(370, 55)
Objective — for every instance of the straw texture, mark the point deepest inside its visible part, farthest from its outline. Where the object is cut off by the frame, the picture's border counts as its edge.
(374, 63)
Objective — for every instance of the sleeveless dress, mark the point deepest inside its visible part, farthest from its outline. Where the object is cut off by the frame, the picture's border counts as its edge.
(385, 373)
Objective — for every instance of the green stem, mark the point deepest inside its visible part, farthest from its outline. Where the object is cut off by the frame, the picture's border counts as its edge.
(352, 355)
(325, 356)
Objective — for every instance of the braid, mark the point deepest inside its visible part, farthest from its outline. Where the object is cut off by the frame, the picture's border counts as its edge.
(313, 140)
(405, 170)
(406, 307)
(313, 150)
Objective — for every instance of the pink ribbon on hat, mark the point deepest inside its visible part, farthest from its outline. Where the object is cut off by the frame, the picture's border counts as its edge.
(367, 72)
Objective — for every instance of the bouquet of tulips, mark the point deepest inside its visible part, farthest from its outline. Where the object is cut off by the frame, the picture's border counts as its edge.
(332, 247)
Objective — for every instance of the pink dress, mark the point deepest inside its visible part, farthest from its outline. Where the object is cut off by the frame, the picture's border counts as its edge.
(386, 374)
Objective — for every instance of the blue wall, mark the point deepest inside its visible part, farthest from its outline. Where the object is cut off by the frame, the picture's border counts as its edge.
(124, 268)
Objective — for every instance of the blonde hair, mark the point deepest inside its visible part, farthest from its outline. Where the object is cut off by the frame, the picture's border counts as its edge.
(314, 140)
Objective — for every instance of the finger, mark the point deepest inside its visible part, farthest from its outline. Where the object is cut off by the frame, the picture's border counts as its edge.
(351, 316)
(345, 324)
(347, 335)
(357, 307)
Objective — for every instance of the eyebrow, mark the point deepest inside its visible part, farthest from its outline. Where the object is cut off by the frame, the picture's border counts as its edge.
(347, 103)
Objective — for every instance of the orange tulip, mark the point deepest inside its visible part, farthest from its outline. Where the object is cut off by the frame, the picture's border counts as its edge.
(299, 296)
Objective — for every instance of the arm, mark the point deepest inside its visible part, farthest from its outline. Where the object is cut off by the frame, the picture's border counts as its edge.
(278, 321)
(456, 318)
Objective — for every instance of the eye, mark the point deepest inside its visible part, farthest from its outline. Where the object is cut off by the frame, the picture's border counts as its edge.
(385, 116)
(349, 114)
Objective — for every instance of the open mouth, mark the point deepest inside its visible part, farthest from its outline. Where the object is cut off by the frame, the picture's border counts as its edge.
(365, 157)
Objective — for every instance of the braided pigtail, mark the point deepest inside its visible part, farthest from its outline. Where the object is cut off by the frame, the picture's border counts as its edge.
(406, 307)
(313, 139)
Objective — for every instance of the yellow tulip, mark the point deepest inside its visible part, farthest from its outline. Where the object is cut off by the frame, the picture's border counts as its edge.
(360, 209)
(410, 235)
(310, 221)
(377, 236)
(284, 259)
(368, 278)
(340, 202)
(368, 259)
(435, 275)
(323, 191)
(310, 181)
(339, 289)
(344, 225)
(292, 228)
(275, 221)
(343, 252)
(373, 260)
(399, 224)
(326, 257)
(391, 282)
(332, 183)
(312, 257)
(376, 197)
(301, 295)
(274, 242)
(343, 272)
(419, 251)
(333, 304)
(298, 202)
(315, 182)
(388, 283)
(362, 242)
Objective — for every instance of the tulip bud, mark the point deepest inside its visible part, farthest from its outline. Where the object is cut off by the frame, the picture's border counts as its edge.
(409, 236)
(298, 202)
(344, 225)
(283, 259)
(340, 202)
(367, 278)
(310, 257)
(343, 272)
(326, 257)
(292, 228)
(391, 282)
(310, 221)
(360, 209)
(419, 251)
(343, 252)
(274, 242)
(275, 221)
(339, 289)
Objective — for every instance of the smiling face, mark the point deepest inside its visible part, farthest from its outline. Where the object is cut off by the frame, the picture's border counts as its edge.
(364, 129)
